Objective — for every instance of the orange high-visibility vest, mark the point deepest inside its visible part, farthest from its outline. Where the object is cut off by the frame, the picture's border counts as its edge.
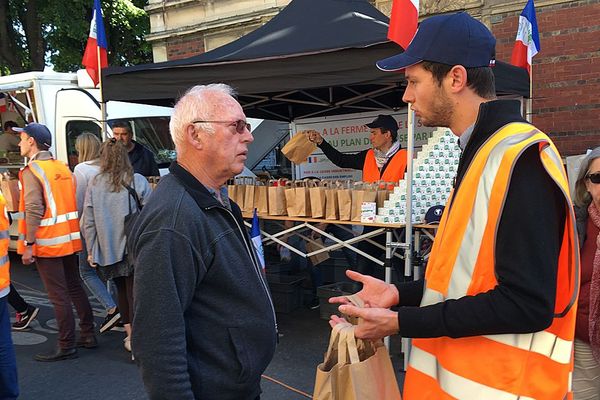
(393, 172)
(58, 234)
(4, 240)
(505, 366)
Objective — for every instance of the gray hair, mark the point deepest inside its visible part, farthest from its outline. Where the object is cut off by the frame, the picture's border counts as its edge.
(196, 104)
(582, 197)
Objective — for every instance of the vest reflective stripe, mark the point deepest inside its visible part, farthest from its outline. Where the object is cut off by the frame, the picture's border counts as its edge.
(510, 366)
(4, 242)
(58, 233)
(393, 172)
(491, 364)
(58, 240)
(50, 202)
(60, 218)
(455, 386)
(544, 343)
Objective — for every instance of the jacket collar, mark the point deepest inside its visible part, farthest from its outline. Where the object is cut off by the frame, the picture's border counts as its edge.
(492, 116)
(196, 189)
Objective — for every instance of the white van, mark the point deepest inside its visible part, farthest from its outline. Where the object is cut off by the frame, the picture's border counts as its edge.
(68, 105)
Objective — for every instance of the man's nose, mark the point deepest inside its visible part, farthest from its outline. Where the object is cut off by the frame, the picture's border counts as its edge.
(248, 136)
(408, 97)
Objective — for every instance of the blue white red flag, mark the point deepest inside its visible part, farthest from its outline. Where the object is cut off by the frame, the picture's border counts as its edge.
(527, 44)
(403, 21)
(257, 240)
(96, 43)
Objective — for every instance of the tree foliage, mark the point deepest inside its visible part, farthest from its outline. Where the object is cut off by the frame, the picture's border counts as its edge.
(36, 33)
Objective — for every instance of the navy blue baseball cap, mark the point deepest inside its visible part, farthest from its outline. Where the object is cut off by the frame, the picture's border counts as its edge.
(386, 122)
(453, 39)
(39, 132)
(434, 214)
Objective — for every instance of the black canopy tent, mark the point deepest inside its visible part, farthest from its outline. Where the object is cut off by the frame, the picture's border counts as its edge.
(314, 58)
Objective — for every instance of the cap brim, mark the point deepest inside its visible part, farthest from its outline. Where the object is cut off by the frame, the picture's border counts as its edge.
(397, 62)
(372, 125)
(18, 129)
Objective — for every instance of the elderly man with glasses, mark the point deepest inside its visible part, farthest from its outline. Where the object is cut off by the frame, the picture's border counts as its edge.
(204, 321)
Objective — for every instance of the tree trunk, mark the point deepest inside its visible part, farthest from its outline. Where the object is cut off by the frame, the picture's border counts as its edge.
(33, 33)
(9, 56)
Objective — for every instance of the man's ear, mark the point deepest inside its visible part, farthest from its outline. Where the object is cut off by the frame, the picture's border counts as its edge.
(457, 79)
(192, 136)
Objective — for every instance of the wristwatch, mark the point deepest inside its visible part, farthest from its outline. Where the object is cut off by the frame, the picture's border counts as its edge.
(29, 243)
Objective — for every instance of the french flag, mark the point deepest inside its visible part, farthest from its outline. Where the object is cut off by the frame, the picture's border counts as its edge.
(403, 21)
(527, 44)
(257, 240)
(96, 44)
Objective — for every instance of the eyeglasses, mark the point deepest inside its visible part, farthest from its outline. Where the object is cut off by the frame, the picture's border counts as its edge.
(240, 124)
(594, 178)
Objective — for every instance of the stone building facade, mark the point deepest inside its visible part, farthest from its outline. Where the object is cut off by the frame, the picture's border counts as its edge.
(566, 72)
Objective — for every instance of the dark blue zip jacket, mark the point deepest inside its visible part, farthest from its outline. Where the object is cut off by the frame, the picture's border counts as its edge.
(204, 325)
(142, 160)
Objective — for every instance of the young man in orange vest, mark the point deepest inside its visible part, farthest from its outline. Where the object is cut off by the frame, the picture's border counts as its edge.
(385, 161)
(495, 316)
(9, 384)
(49, 236)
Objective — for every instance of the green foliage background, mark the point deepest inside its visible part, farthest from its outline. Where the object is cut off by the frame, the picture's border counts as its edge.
(54, 32)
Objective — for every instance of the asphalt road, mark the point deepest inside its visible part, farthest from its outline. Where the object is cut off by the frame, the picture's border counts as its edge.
(107, 372)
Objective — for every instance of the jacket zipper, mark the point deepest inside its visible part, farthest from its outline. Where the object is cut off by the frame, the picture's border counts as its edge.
(256, 268)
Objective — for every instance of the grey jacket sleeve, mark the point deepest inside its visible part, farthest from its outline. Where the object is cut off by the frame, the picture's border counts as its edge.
(88, 222)
(163, 290)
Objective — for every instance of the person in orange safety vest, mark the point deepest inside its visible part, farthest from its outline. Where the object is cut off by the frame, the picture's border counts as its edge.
(494, 317)
(9, 384)
(49, 236)
(384, 162)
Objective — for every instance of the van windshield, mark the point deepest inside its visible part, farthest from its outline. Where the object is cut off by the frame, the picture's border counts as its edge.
(153, 133)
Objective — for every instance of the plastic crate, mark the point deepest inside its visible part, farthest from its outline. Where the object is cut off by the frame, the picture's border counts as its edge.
(286, 291)
(335, 289)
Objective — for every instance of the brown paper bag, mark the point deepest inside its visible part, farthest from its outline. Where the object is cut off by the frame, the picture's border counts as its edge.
(362, 192)
(232, 189)
(277, 203)
(314, 246)
(10, 191)
(344, 197)
(318, 200)
(298, 148)
(302, 199)
(331, 201)
(354, 369)
(261, 198)
(383, 191)
(290, 198)
(248, 183)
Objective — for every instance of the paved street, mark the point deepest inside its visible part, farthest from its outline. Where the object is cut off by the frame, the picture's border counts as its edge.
(107, 372)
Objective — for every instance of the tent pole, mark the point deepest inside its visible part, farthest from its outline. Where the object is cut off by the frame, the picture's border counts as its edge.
(529, 101)
(408, 250)
(102, 102)
(408, 177)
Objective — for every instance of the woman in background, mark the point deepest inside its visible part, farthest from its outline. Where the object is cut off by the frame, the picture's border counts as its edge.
(107, 202)
(586, 374)
(87, 146)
